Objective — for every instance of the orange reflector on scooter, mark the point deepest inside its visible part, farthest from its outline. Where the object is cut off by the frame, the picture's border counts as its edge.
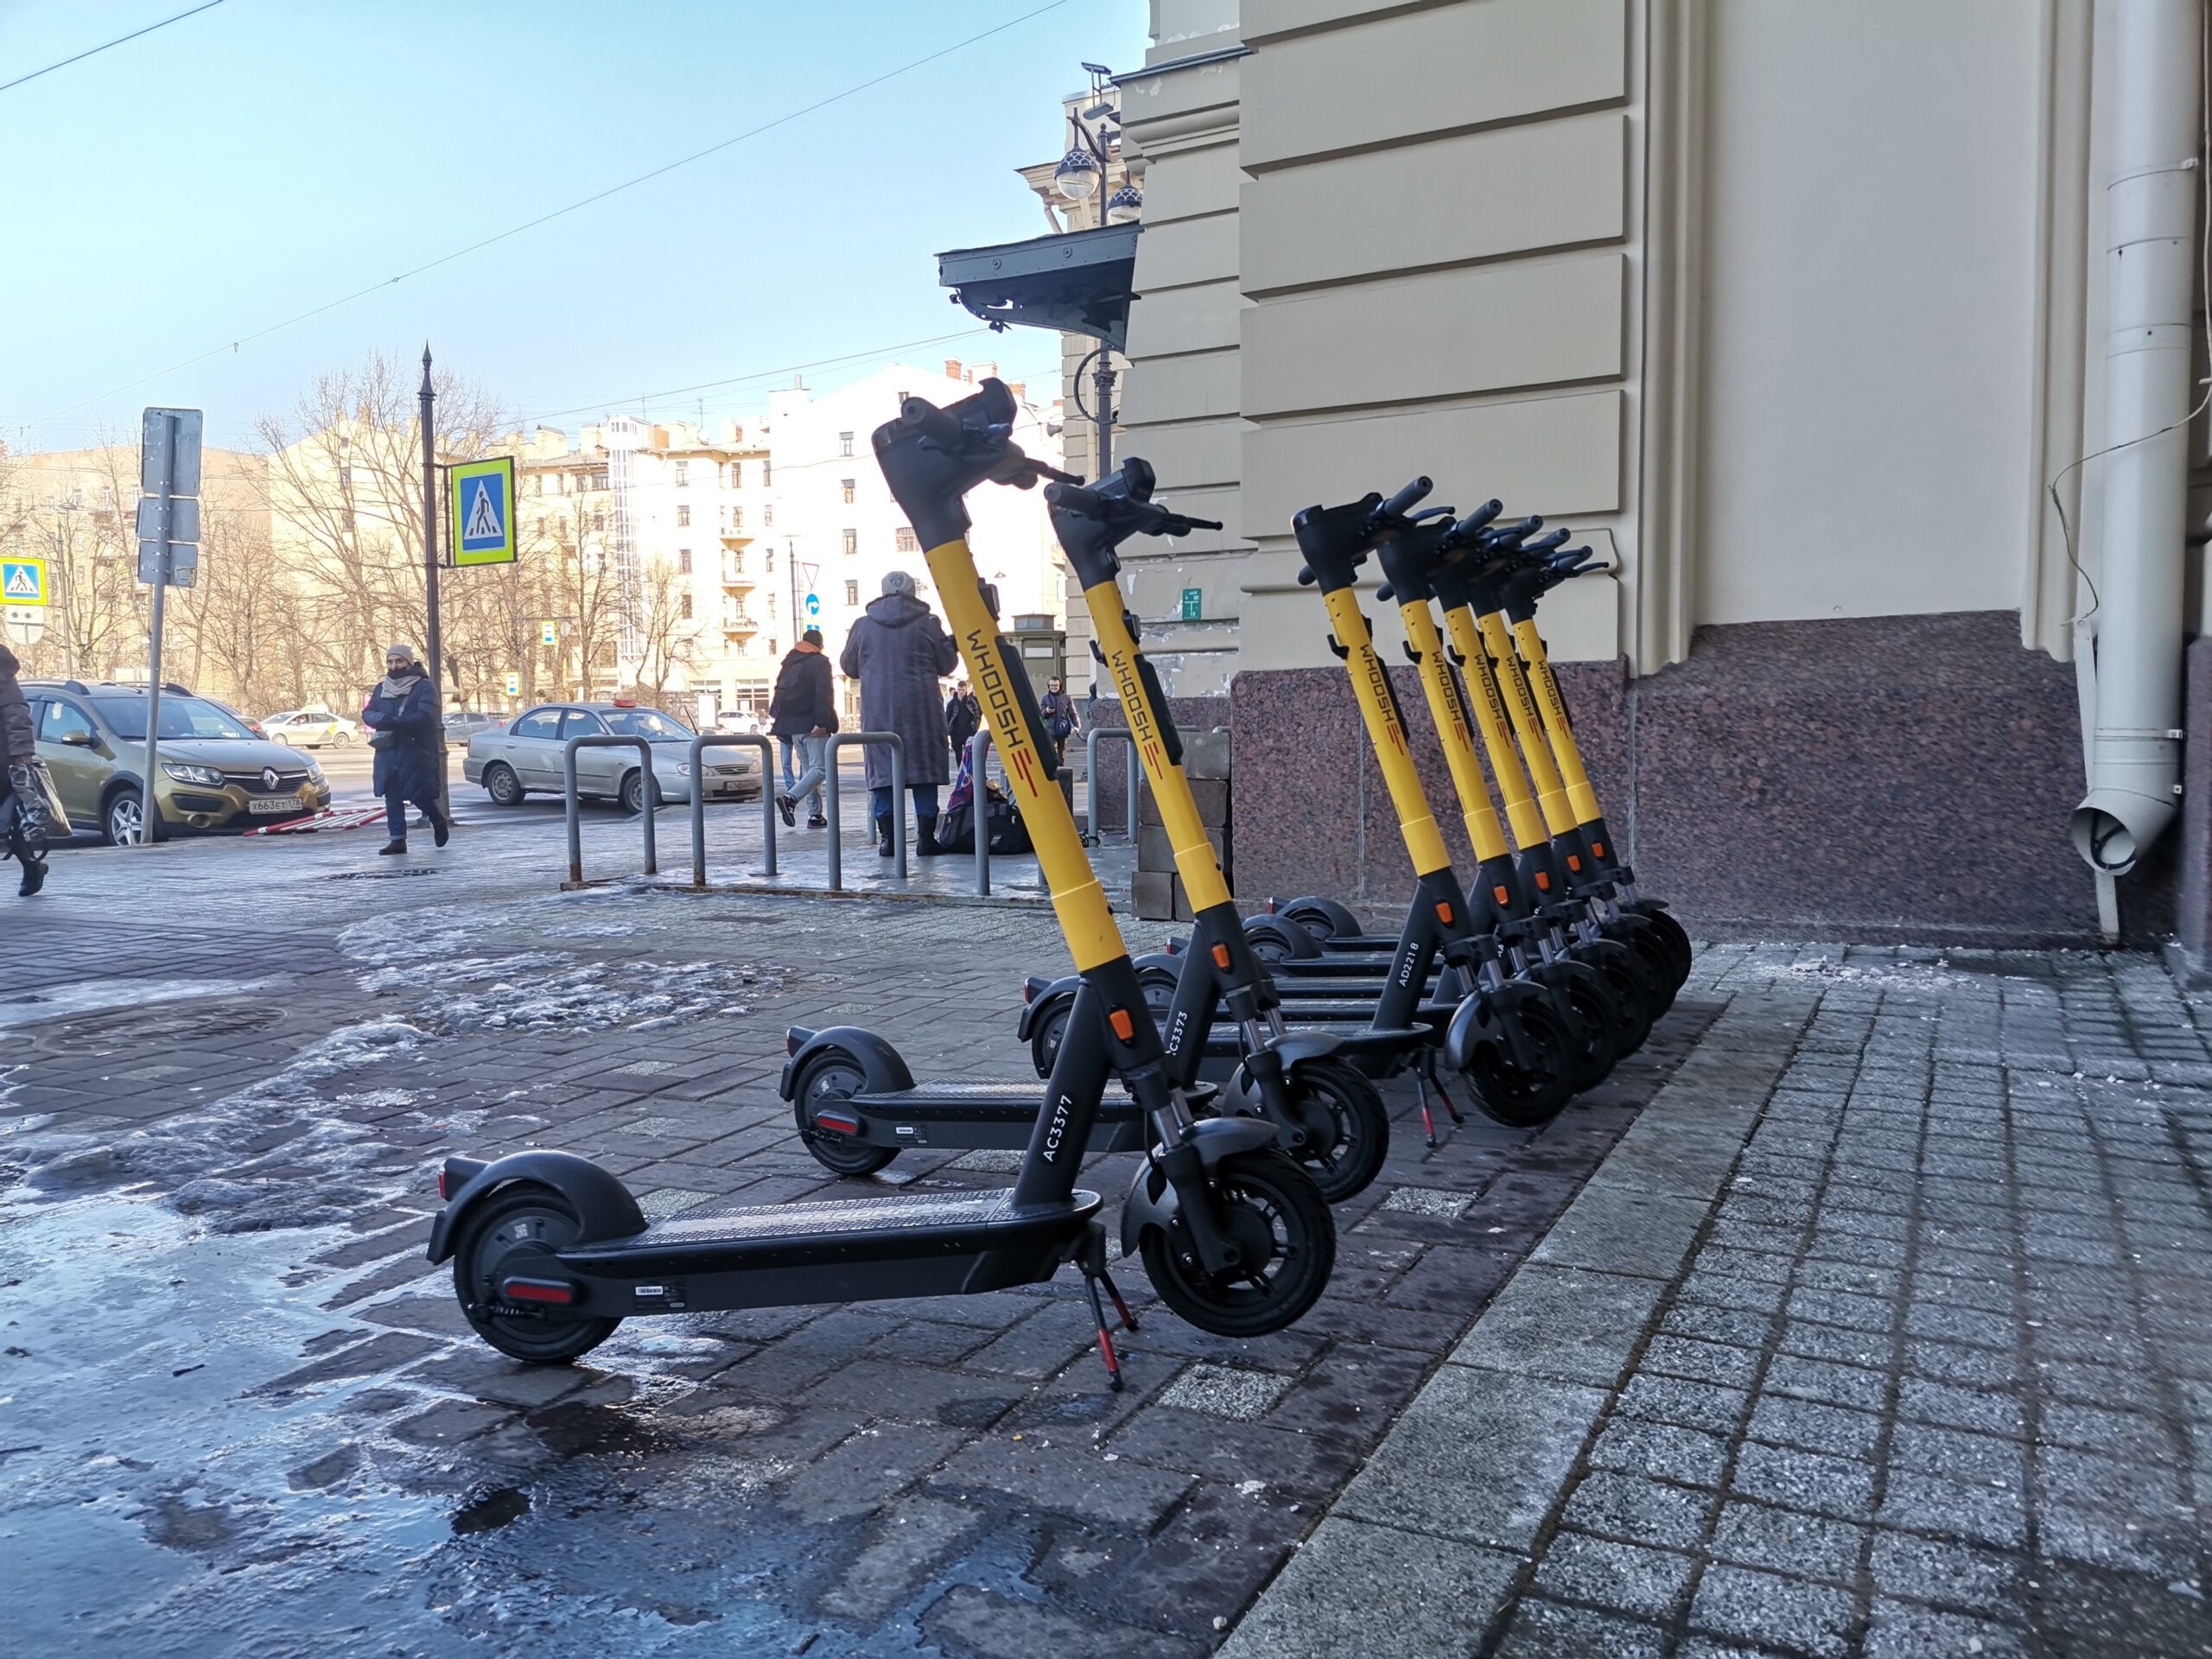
(1501, 894)
(536, 1290)
(1543, 882)
(1444, 913)
(1573, 862)
(1221, 957)
(1598, 848)
(1124, 1027)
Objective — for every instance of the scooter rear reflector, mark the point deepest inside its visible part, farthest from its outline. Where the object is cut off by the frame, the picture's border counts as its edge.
(537, 1290)
(1543, 882)
(1444, 913)
(1221, 957)
(1503, 896)
(839, 1121)
(1124, 1027)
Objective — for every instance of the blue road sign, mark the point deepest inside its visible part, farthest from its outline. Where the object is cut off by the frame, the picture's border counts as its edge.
(22, 582)
(814, 605)
(483, 511)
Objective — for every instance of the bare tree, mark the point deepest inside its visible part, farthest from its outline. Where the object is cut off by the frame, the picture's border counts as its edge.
(345, 499)
(668, 637)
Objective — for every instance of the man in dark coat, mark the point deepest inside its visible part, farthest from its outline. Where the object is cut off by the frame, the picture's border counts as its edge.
(1059, 709)
(409, 742)
(899, 651)
(803, 711)
(18, 747)
(964, 717)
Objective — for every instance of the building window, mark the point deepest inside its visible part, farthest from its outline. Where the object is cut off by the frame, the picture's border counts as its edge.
(906, 540)
(737, 474)
(852, 542)
(844, 443)
(737, 518)
(599, 480)
(737, 562)
(765, 465)
(852, 593)
(598, 520)
(684, 517)
(686, 607)
(847, 486)
(683, 560)
(768, 514)
(683, 474)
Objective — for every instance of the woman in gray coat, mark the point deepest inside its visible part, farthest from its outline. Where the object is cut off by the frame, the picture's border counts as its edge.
(898, 650)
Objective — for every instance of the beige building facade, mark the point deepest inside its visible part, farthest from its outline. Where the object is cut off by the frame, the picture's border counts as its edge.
(1795, 313)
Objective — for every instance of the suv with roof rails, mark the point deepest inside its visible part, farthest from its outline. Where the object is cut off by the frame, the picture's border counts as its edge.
(216, 774)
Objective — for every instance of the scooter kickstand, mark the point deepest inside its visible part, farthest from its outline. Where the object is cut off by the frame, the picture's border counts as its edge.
(1428, 1123)
(1438, 1084)
(1094, 1266)
(1105, 1337)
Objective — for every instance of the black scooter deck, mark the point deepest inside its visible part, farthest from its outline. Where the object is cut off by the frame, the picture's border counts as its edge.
(993, 1115)
(768, 1256)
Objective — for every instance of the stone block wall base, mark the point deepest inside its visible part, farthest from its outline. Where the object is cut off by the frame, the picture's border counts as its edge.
(1897, 778)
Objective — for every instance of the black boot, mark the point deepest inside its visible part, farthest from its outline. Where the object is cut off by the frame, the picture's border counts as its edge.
(926, 843)
(883, 847)
(395, 845)
(789, 809)
(33, 876)
(441, 830)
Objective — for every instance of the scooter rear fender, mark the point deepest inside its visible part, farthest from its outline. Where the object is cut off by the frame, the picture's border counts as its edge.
(602, 1204)
(879, 1061)
(1215, 1138)
(1044, 999)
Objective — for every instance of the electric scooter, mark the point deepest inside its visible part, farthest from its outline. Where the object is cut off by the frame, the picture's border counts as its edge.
(550, 1252)
(1326, 1114)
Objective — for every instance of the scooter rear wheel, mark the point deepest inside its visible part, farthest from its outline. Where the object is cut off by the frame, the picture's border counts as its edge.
(1525, 1097)
(1325, 918)
(1275, 940)
(1676, 940)
(1658, 962)
(1634, 995)
(526, 1219)
(1347, 1127)
(1272, 1208)
(829, 1078)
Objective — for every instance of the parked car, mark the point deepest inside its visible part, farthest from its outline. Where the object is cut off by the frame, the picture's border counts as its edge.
(216, 775)
(243, 719)
(312, 729)
(526, 756)
(461, 727)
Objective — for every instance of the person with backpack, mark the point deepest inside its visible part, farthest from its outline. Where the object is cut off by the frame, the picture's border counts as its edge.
(963, 718)
(802, 713)
(1059, 709)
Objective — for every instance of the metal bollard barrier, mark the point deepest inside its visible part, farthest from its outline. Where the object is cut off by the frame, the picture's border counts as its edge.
(979, 808)
(649, 793)
(700, 745)
(1090, 748)
(859, 740)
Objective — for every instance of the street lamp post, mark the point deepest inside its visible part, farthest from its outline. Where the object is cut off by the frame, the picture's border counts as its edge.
(1080, 175)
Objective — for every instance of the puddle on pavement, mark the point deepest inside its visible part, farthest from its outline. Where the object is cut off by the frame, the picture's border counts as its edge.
(99, 995)
(158, 1499)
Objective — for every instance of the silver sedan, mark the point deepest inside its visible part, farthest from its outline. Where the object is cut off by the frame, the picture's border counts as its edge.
(526, 757)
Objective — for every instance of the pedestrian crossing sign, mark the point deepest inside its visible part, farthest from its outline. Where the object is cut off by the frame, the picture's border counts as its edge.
(22, 582)
(482, 497)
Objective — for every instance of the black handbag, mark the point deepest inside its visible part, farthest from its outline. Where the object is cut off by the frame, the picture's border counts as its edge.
(383, 738)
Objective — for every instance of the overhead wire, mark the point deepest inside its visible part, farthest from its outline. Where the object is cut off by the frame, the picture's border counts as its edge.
(104, 46)
(784, 119)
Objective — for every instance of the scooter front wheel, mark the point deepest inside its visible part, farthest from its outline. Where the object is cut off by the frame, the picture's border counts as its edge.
(1676, 941)
(1525, 1097)
(1597, 1046)
(527, 1218)
(1347, 1127)
(1287, 1240)
(829, 1078)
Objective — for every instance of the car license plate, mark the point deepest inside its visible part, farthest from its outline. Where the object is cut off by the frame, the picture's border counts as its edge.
(279, 803)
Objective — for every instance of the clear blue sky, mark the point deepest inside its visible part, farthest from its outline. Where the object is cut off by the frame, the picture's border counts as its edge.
(269, 156)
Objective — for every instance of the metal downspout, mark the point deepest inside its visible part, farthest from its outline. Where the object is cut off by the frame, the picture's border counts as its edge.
(2135, 754)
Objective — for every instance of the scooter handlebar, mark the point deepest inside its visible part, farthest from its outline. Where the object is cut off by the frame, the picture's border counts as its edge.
(1406, 499)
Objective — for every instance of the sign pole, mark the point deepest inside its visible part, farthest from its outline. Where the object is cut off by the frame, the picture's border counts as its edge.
(164, 507)
(433, 640)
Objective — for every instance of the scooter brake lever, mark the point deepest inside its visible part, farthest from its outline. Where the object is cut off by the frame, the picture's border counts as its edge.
(1431, 512)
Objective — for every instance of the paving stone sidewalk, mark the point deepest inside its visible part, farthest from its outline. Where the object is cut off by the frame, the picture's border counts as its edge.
(1886, 1330)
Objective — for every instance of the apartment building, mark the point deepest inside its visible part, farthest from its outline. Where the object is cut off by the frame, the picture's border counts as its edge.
(1800, 315)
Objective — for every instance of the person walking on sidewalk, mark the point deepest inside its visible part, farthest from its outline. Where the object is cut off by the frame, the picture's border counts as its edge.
(963, 718)
(900, 651)
(18, 747)
(803, 711)
(1059, 709)
(402, 715)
